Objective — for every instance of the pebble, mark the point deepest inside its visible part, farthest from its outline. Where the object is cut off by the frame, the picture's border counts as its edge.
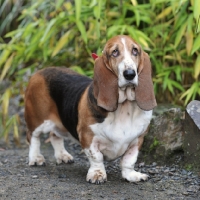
(154, 164)
(185, 193)
(189, 173)
(151, 172)
(34, 176)
(142, 164)
(54, 185)
(171, 173)
(19, 175)
(184, 172)
(175, 178)
(5, 161)
(62, 176)
(172, 170)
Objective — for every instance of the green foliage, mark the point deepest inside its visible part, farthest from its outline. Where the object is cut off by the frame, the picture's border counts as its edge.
(189, 167)
(52, 34)
(9, 10)
(36, 33)
(155, 144)
(8, 123)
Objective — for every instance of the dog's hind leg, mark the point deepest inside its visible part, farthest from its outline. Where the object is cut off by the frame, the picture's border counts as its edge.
(60, 152)
(35, 157)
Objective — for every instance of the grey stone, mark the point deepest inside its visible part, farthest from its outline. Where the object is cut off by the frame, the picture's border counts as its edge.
(154, 164)
(184, 172)
(165, 134)
(34, 176)
(192, 135)
(193, 109)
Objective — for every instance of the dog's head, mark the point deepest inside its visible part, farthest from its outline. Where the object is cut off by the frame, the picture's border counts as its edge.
(123, 64)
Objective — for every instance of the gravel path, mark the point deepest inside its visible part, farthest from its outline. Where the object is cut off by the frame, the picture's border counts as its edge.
(67, 181)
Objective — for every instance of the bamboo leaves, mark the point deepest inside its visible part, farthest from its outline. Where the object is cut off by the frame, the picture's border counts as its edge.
(185, 42)
(191, 93)
(79, 23)
(164, 13)
(11, 123)
(196, 10)
(197, 68)
(81, 28)
(62, 41)
(8, 123)
(7, 66)
(196, 45)
(180, 34)
(189, 35)
(5, 103)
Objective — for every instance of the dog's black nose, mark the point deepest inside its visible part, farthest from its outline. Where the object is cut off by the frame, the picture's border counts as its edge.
(129, 74)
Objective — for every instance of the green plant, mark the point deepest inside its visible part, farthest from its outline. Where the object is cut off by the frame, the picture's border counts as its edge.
(181, 51)
(9, 10)
(52, 33)
(8, 123)
(155, 144)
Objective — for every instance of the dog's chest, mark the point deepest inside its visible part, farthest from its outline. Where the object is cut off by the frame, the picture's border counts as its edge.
(120, 129)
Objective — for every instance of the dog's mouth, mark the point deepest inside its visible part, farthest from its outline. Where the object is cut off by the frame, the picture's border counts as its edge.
(128, 84)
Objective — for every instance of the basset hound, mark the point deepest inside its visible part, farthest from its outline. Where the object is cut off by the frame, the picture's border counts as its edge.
(108, 115)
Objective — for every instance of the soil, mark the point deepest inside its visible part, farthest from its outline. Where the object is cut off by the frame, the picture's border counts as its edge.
(67, 181)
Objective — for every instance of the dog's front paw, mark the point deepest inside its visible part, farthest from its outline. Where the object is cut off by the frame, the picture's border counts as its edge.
(37, 160)
(133, 176)
(64, 157)
(96, 176)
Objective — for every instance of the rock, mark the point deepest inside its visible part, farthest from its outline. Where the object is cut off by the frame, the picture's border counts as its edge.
(165, 134)
(142, 164)
(192, 135)
(193, 109)
(184, 172)
(154, 164)
(62, 176)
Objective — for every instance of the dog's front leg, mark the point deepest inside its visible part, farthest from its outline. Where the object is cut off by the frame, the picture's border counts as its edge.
(127, 164)
(96, 173)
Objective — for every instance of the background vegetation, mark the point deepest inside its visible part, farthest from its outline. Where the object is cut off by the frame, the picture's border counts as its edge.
(36, 33)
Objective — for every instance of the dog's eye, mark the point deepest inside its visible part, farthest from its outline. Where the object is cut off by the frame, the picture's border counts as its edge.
(115, 53)
(134, 51)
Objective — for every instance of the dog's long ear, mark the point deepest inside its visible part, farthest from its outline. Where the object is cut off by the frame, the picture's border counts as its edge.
(105, 86)
(144, 93)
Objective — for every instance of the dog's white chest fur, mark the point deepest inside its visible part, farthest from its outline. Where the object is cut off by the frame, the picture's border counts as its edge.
(120, 129)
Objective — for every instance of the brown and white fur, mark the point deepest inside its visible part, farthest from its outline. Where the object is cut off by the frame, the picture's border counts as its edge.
(108, 115)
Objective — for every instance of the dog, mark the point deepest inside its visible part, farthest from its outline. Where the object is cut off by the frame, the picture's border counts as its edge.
(108, 115)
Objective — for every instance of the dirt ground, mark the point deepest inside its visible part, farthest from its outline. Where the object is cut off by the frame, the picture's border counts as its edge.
(67, 181)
